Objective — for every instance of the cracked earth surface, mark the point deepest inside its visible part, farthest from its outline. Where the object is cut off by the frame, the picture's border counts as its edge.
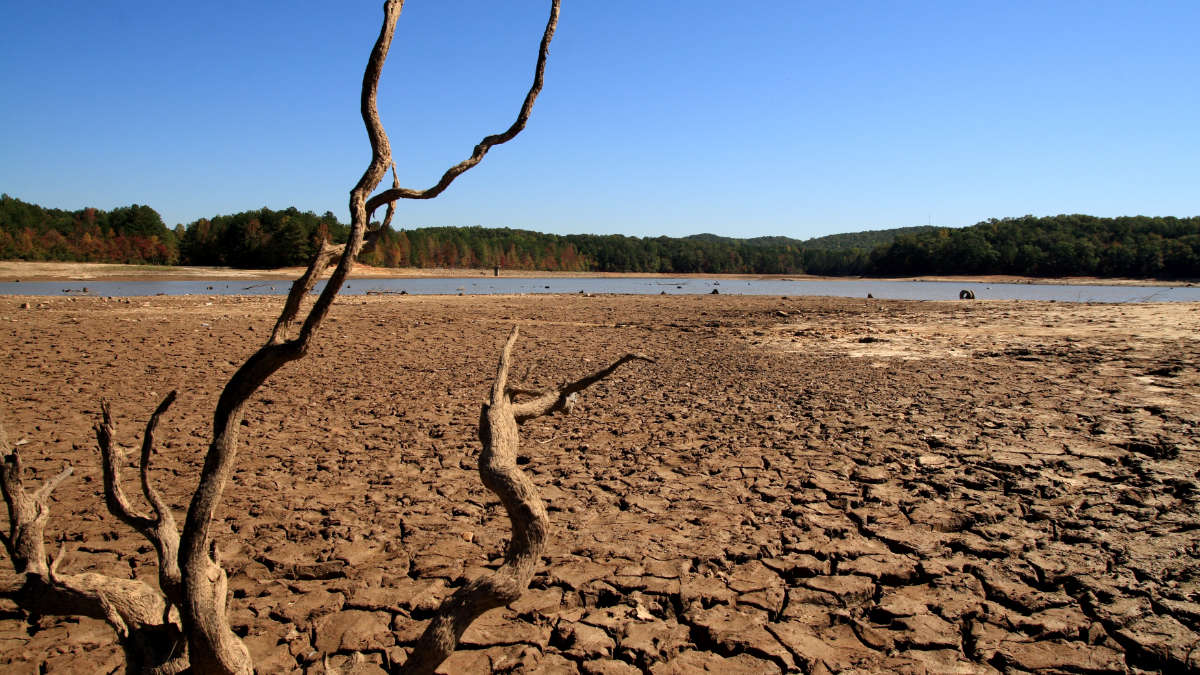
(814, 485)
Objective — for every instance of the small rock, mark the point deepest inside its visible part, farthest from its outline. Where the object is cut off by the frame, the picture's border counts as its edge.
(739, 630)
(354, 630)
(931, 461)
(1164, 640)
(690, 661)
(851, 589)
(494, 629)
(871, 474)
(599, 667)
(652, 641)
(926, 631)
(584, 641)
(1060, 656)
(577, 574)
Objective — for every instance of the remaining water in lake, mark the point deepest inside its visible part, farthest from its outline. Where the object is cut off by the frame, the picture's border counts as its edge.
(896, 290)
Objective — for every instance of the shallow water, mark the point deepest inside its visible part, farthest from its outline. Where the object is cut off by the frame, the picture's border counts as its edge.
(893, 290)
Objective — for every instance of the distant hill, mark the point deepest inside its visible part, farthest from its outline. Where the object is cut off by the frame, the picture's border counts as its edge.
(868, 239)
(1162, 247)
(865, 240)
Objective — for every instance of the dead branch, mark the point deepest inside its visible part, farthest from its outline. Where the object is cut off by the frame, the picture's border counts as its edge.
(160, 528)
(327, 254)
(489, 141)
(498, 469)
(147, 629)
(563, 398)
(214, 647)
(27, 514)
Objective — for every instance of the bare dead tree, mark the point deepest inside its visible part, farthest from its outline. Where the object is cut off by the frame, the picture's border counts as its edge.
(499, 435)
(193, 580)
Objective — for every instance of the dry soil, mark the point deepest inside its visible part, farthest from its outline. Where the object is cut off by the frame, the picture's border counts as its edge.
(822, 485)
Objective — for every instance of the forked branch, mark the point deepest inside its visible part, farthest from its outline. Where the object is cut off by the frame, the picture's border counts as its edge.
(159, 528)
(140, 614)
(213, 645)
(481, 149)
(500, 438)
(27, 513)
(327, 256)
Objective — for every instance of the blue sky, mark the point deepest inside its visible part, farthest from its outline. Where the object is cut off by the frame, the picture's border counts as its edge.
(743, 119)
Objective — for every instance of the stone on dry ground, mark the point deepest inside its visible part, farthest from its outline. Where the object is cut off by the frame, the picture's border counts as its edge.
(989, 487)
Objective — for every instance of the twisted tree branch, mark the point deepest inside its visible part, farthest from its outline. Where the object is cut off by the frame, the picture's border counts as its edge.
(160, 528)
(498, 469)
(554, 400)
(480, 150)
(327, 255)
(27, 514)
(139, 613)
(214, 647)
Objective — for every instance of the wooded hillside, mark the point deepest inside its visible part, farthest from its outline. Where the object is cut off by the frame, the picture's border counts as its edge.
(1052, 246)
(129, 234)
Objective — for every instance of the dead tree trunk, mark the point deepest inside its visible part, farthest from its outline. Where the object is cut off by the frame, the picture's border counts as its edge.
(193, 585)
(498, 433)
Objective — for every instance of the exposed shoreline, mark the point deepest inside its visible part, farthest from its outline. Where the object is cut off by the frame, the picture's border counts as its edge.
(985, 478)
(13, 271)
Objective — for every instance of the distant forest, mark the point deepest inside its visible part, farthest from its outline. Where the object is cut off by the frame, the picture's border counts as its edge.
(129, 234)
(1053, 246)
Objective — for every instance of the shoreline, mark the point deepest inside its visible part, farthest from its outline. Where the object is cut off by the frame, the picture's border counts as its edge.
(17, 271)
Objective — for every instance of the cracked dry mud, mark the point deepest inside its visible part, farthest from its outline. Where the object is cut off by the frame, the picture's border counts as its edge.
(815, 485)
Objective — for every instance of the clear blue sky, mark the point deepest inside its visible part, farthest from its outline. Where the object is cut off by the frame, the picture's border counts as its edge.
(742, 119)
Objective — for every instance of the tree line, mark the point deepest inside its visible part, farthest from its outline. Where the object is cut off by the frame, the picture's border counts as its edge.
(1052, 246)
(132, 234)
(261, 239)
(1065, 245)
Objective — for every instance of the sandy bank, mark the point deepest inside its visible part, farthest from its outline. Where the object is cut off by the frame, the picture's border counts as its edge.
(53, 271)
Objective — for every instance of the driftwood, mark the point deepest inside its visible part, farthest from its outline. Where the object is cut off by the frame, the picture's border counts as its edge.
(182, 624)
(498, 434)
(147, 624)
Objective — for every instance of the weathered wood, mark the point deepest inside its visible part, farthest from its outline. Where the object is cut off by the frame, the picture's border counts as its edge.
(147, 629)
(499, 435)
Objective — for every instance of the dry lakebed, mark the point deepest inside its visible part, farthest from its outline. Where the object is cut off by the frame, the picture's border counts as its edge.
(795, 485)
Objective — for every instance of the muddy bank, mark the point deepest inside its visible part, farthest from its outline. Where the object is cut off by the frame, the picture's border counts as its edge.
(815, 485)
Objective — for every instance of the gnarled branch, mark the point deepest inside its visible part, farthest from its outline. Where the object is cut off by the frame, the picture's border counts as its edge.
(140, 614)
(27, 514)
(481, 149)
(160, 528)
(327, 255)
(213, 645)
(554, 400)
(499, 436)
